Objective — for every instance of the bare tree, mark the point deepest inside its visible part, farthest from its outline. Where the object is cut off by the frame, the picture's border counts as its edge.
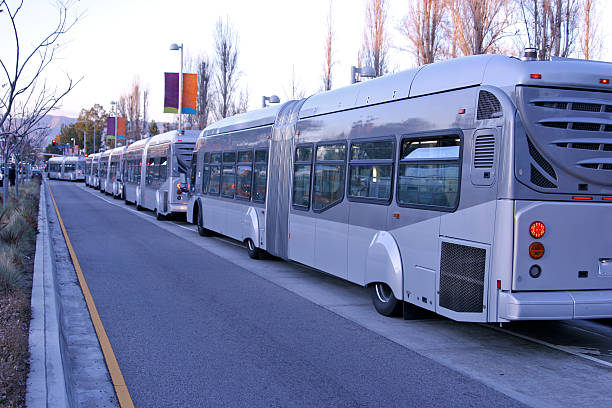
(203, 68)
(374, 51)
(329, 52)
(145, 110)
(478, 26)
(590, 37)
(423, 28)
(226, 74)
(294, 89)
(551, 25)
(22, 77)
(133, 110)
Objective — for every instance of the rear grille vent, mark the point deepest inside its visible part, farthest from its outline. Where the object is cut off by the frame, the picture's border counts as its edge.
(541, 161)
(560, 125)
(462, 272)
(553, 105)
(585, 146)
(591, 127)
(484, 151)
(489, 106)
(597, 166)
(608, 147)
(586, 107)
(576, 106)
(587, 126)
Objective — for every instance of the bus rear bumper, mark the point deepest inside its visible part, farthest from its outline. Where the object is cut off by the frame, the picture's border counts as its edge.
(177, 208)
(587, 304)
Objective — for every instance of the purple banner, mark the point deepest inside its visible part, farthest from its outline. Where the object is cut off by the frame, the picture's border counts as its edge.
(171, 95)
(110, 126)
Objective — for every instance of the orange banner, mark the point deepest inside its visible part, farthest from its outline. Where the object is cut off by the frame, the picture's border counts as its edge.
(190, 93)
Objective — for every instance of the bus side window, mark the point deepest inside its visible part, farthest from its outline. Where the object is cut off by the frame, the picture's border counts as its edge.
(244, 175)
(260, 175)
(192, 171)
(429, 172)
(215, 174)
(328, 176)
(228, 178)
(302, 170)
(205, 172)
(163, 168)
(371, 170)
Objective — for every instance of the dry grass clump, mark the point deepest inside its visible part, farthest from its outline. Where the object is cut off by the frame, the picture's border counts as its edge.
(18, 224)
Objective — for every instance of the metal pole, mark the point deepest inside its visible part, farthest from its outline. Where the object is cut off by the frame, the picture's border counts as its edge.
(180, 110)
(116, 130)
(84, 143)
(94, 139)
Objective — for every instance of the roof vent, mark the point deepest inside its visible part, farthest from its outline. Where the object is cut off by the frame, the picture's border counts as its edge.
(530, 54)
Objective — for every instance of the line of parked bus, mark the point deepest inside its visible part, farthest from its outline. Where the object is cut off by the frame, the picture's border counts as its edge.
(478, 188)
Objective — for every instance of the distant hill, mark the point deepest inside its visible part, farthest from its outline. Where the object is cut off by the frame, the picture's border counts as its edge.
(55, 124)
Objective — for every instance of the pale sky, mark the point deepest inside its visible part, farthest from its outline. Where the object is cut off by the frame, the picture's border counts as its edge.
(117, 40)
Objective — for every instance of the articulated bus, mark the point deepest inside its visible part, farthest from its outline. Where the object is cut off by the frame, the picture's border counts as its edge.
(54, 167)
(478, 188)
(73, 168)
(133, 168)
(88, 167)
(95, 170)
(103, 169)
(163, 181)
(114, 186)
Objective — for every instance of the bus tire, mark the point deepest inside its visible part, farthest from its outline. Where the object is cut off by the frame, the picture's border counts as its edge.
(159, 216)
(201, 230)
(254, 252)
(384, 301)
(139, 207)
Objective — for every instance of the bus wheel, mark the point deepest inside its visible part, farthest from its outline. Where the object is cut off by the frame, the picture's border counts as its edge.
(254, 252)
(139, 207)
(201, 230)
(159, 216)
(384, 301)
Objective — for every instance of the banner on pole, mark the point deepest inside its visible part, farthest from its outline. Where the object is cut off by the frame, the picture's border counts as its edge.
(121, 128)
(171, 94)
(110, 126)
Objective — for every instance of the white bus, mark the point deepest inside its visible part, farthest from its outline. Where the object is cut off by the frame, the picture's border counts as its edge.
(478, 188)
(54, 167)
(103, 170)
(133, 168)
(114, 185)
(167, 158)
(95, 170)
(73, 168)
(88, 169)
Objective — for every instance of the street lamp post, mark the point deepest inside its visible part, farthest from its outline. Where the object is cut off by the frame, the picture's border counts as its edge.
(73, 145)
(175, 47)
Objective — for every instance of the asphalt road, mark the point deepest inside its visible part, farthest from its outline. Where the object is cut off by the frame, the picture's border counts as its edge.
(191, 329)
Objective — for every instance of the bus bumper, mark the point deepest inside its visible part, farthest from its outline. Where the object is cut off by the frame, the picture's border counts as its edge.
(587, 304)
(177, 208)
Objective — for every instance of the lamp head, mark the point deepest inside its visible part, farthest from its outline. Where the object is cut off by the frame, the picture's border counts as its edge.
(175, 47)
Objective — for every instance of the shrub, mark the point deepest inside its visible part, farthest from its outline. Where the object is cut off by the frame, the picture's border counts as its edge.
(11, 278)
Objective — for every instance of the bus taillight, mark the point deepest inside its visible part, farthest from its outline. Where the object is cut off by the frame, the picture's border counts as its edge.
(536, 250)
(537, 229)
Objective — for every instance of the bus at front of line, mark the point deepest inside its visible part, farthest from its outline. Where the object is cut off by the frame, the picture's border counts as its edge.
(73, 168)
(163, 179)
(478, 188)
(54, 167)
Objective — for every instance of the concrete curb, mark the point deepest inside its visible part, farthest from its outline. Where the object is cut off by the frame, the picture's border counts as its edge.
(46, 385)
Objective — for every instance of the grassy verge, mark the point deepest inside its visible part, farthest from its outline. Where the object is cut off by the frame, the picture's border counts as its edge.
(18, 226)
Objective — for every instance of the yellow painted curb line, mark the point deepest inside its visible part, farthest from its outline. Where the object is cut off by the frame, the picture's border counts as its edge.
(123, 395)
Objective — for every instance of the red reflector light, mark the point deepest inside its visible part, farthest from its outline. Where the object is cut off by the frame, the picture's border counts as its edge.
(537, 229)
(498, 284)
(461, 111)
(536, 76)
(536, 250)
(581, 198)
(605, 81)
(607, 198)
